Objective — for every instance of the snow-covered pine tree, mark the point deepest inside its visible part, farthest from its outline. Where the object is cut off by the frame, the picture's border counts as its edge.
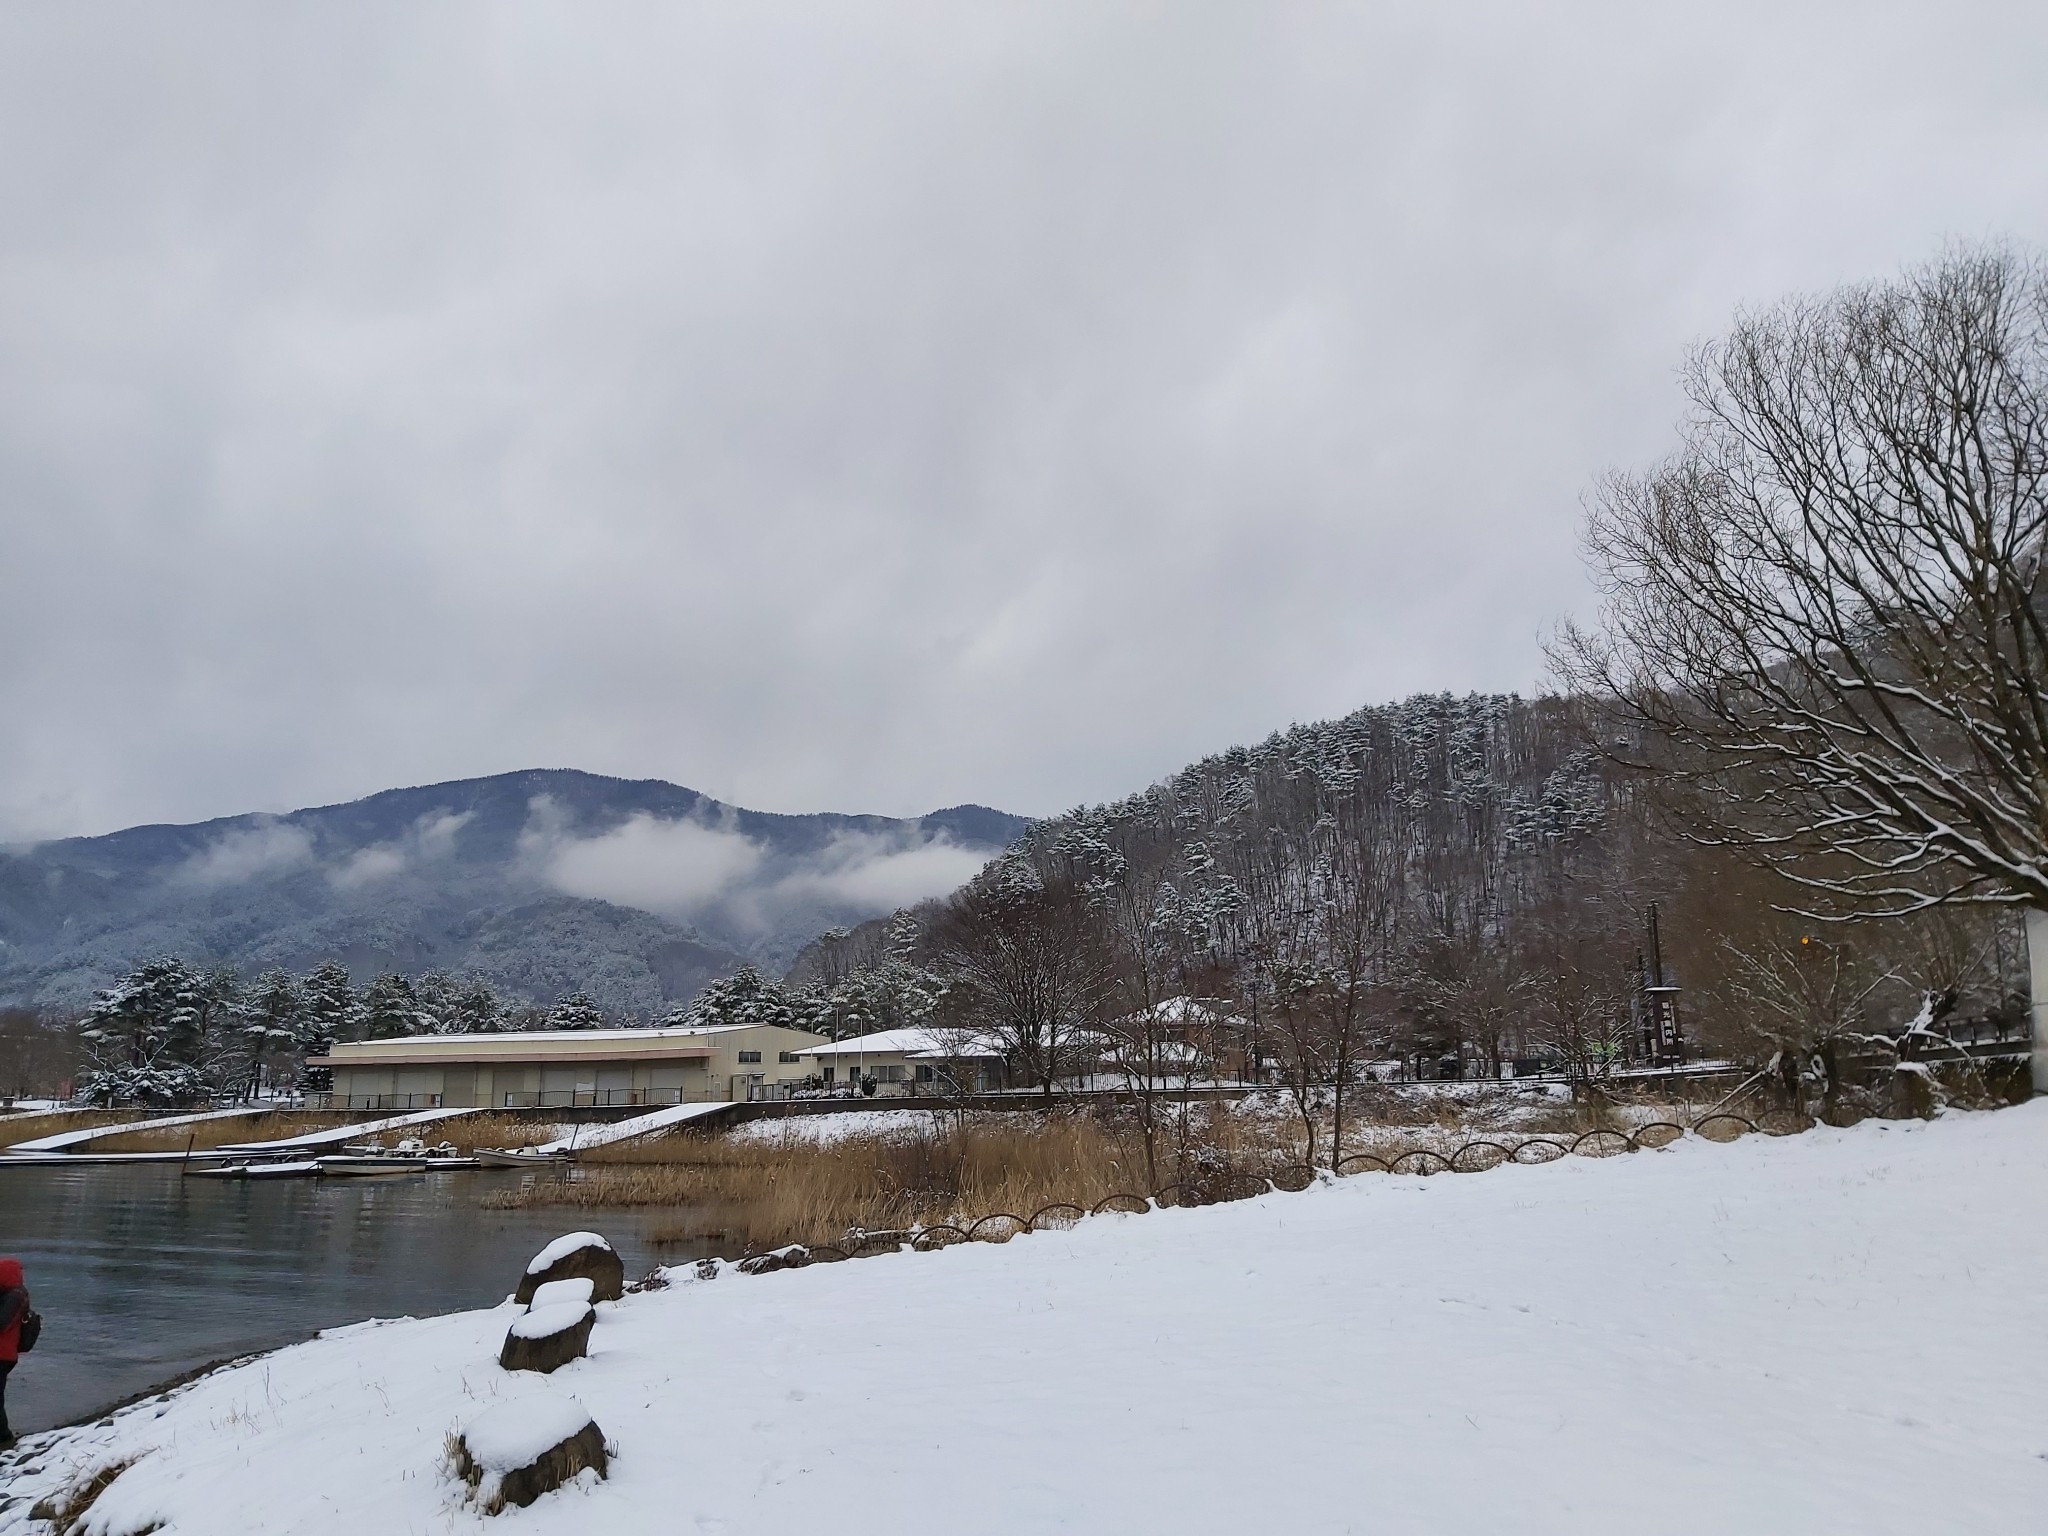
(330, 1013)
(138, 1035)
(390, 1009)
(270, 1020)
(744, 997)
(475, 1009)
(434, 994)
(578, 1010)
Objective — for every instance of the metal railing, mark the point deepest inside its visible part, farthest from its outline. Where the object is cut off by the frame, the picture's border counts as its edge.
(399, 1101)
(593, 1098)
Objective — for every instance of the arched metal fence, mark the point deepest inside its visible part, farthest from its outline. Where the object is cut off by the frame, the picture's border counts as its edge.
(1475, 1156)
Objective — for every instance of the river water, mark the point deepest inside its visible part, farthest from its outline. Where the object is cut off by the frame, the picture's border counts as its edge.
(142, 1274)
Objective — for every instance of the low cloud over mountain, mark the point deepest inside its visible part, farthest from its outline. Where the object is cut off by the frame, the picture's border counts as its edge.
(546, 881)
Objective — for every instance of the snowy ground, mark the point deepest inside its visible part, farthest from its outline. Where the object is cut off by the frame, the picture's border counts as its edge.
(355, 1132)
(64, 1139)
(1837, 1332)
(575, 1138)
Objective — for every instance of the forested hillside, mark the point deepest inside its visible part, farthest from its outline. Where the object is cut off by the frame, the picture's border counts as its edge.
(1455, 886)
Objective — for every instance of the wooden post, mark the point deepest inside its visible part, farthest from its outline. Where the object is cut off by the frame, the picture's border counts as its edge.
(2037, 994)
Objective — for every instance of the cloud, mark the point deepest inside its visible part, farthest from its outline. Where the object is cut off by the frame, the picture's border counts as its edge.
(426, 841)
(368, 866)
(673, 867)
(875, 407)
(679, 867)
(880, 874)
(248, 853)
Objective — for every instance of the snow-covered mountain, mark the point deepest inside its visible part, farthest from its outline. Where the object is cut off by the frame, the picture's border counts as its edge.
(637, 891)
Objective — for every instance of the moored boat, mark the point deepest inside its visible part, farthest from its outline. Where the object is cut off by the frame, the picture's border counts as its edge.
(518, 1157)
(375, 1164)
(369, 1167)
(274, 1168)
(292, 1168)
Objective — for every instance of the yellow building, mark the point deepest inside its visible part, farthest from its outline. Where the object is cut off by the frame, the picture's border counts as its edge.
(568, 1068)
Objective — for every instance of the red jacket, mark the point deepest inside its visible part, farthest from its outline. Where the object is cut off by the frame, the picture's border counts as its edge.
(13, 1308)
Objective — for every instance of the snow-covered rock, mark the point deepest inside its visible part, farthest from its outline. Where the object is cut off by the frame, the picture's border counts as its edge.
(548, 1338)
(515, 1452)
(579, 1255)
(579, 1289)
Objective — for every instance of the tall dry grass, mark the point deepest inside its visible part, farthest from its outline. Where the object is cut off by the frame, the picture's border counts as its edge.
(491, 1129)
(19, 1128)
(205, 1135)
(759, 1195)
(761, 1191)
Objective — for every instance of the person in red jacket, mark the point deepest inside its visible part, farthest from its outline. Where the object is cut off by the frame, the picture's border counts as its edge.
(13, 1308)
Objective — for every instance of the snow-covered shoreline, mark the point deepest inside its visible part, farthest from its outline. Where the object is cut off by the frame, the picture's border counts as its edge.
(1819, 1333)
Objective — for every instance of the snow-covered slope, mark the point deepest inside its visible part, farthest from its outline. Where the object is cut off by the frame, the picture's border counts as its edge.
(1838, 1332)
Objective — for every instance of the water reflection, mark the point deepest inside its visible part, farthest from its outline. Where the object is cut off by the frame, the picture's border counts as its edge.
(142, 1274)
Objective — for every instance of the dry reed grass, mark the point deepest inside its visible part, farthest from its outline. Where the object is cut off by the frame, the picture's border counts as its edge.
(18, 1128)
(492, 1129)
(755, 1194)
(760, 1195)
(204, 1135)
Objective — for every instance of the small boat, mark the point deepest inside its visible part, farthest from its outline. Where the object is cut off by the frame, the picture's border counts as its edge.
(369, 1167)
(217, 1171)
(519, 1157)
(277, 1168)
(373, 1164)
(410, 1147)
(293, 1168)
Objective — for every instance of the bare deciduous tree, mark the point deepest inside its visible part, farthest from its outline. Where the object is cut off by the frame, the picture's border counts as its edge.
(1826, 610)
(1025, 960)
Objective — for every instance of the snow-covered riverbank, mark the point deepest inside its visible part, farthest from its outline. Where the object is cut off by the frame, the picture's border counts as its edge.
(1832, 1332)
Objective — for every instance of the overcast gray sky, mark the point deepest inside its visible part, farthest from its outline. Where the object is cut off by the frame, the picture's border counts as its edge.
(873, 407)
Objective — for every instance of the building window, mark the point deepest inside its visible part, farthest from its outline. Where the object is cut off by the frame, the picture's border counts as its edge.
(787, 1058)
(747, 1057)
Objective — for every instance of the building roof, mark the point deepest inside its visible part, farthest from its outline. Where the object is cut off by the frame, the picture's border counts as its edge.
(933, 1044)
(689, 1043)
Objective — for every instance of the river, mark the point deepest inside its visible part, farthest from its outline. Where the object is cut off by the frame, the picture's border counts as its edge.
(142, 1274)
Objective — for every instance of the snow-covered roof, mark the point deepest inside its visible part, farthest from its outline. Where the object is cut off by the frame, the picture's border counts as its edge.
(1196, 1010)
(942, 1044)
(552, 1044)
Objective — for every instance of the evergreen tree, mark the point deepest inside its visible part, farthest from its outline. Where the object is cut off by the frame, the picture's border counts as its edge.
(475, 1009)
(576, 1011)
(390, 1009)
(211, 1041)
(144, 1036)
(329, 1014)
(271, 1019)
(434, 998)
(744, 997)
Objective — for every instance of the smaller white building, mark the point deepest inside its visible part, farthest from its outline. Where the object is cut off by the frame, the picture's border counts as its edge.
(906, 1062)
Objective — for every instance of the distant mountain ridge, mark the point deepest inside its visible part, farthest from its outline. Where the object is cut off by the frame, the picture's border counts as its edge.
(544, 880)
